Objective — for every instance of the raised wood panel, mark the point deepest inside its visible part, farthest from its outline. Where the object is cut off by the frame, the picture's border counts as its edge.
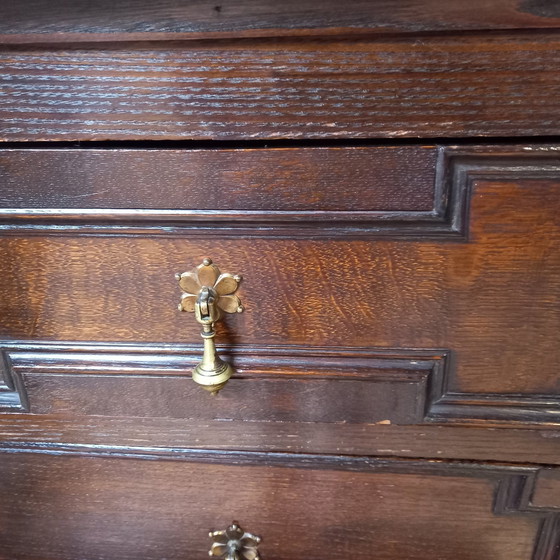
(284, 383)
(491, 301)
(270, 384)
(391, 191)
(130, 508)
(503, 85)
(355, 179)
(168, 19)
(276, 192)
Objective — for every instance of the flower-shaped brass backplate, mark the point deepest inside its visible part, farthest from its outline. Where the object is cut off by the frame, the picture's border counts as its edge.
(223, 287)
(234, 544)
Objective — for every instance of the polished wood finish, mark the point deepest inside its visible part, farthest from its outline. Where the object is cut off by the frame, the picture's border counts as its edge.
(468, 298)
(270, 384)
(353, 179)
(385, 176)
(126, 508)
(305, 192)
(404, 87)
(166, 437)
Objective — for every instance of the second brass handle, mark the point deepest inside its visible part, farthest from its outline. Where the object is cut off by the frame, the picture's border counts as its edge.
(234, 544)
(208, 293)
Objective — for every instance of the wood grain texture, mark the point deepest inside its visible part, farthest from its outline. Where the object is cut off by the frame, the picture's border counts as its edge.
(267, 180)
(492, 301)
(296, 192)
(503, 85)
(546, 491)
(29, 20)
(391, 192)
(270, 384)
(128, 508)
(171, 436)
(282, 383)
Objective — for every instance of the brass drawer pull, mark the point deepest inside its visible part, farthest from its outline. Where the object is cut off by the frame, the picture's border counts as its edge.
(208, 293)
(234, 544)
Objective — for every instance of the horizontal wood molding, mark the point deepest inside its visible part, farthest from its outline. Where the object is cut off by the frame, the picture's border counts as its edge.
(429, 441)
(355, 385)
(439, 178)
(514, 485)
(438, 87)
(41, 21)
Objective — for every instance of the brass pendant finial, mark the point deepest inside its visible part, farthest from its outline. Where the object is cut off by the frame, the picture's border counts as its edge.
(208, 293)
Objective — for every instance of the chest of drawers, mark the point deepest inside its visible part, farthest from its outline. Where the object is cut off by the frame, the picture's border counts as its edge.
(385, 178)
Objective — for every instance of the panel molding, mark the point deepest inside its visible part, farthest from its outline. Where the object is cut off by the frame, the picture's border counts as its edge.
(514, 496)
(300, 223)
(65, 372)
(428, 371)
(513, 484)
(461, 167)
(457, 169)
(13, 397)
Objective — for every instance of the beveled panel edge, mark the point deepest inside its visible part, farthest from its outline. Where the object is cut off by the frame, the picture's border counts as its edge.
(462, 166)
(487, 409)
(13, 397)
(513, 497)
(515, 483)
(496, 409)
(457, 168)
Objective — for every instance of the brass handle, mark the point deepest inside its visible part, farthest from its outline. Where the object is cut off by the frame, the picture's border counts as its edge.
(208, 293)
(234, 544)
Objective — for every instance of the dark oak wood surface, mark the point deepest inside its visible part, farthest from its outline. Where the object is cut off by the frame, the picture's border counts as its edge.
(167, 437)
(491, 301)
(431, 86)
(29, 20)
(303, 507)
(271, 384)
(300, 180)
(396, 393)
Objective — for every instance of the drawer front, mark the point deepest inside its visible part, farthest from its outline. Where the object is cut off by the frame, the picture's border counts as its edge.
(302, 507)
(398, 327)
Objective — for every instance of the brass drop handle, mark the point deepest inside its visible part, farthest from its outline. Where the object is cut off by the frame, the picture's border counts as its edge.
(208, 293)
(234, 544)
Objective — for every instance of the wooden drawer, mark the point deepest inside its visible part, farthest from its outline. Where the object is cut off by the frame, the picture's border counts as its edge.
(383, 177)
(414, 311)
(318, 508)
